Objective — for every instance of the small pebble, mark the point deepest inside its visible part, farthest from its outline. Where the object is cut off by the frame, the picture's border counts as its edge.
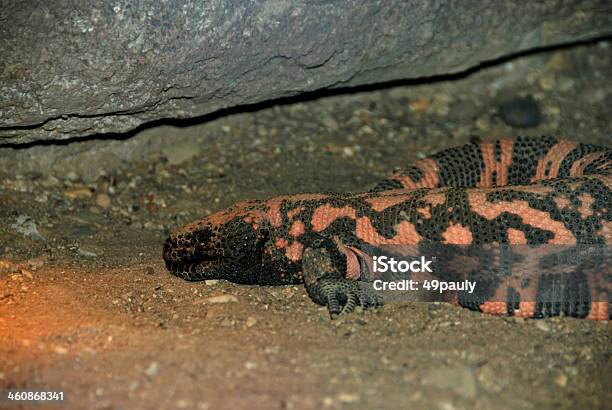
(543, 326)
(483, 124)
(78, 193)
(330, 122)
(348, 398)
(288, 292)
(103, 201)
(49, 182)
(548, 82)
(366, 130)
(61, 350)
(72, 176)
(561, 380)
(220, 299)
(152, 370)
(182, 404)
(520, 112)
(272, 350)
(27, 227)
(586, 353)
(419, 105)
(251, 321)
(86, 253)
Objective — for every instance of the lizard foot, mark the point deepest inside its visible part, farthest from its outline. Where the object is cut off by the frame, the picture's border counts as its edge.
(327, 286)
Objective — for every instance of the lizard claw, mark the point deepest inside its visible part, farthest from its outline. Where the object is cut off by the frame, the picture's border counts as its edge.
(328, 287)
(343, 295)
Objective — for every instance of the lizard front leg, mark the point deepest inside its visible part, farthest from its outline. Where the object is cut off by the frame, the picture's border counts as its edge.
(328, 286)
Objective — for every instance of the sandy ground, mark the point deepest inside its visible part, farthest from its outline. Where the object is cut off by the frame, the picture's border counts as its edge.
(87, 307)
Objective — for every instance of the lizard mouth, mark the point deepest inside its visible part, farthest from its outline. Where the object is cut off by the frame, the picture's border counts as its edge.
(202, 268)
(233, 252)
(195, 264)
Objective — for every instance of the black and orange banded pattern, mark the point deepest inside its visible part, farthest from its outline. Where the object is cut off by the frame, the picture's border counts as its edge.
(528, 191)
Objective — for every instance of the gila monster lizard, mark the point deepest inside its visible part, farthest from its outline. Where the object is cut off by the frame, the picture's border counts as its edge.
(531, 191)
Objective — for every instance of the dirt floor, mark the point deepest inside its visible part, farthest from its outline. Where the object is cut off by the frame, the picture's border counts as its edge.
(88, 308)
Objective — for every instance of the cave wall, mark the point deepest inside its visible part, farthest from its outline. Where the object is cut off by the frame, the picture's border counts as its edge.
(80, 68)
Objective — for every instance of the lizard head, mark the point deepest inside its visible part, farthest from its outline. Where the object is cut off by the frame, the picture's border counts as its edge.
(233, 244)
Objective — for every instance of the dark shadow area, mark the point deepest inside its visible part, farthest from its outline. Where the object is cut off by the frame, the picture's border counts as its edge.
(304, 97)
